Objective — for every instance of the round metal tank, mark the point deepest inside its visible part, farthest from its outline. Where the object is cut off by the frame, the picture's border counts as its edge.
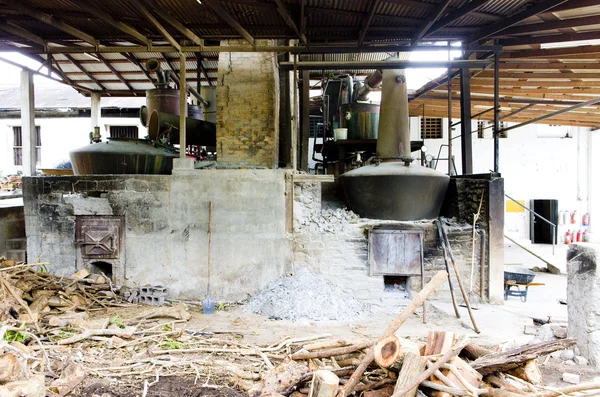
(163, 100)
(394, 191)
(195, 112)
(363, 122)
(122, 156)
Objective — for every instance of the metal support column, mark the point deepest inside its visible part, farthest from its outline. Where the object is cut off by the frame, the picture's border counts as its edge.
(449, 120)
(182, 104)
(95, 110)
(305, 120)
(28, 133)
(294, 117)
(496, 112)
(466, 140)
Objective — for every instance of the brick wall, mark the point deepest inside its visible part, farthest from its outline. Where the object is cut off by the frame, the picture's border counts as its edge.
(248, 107)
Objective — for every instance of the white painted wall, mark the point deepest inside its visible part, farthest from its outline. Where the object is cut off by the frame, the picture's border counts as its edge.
(59, 136)
(536, 162)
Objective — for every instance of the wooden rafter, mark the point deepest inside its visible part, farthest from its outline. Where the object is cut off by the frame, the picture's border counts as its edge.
(164, 32)
(551, 38)
(22, 7)
(225, 16)
(514, 112)
(84, 70)
(287, 17)
(581, 52)
(131, 58)
(552, 25)
(456, 14)
(199, 62)
(542, 75)
(302, 17)
(12, 28)
(180, 27)
(498, 27)
(557, 65)
(366, 22)
(107, 18)
(436, 13)
(115, 72)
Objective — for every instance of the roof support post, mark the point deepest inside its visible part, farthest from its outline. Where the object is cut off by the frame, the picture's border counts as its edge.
(466, 140)
(496, 112)
(182, 104)
(449, 119)
(95, 110)
(28, 133)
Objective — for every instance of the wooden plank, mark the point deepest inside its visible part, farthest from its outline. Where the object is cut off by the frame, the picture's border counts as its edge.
(542, 76)
(552, 25)
(584, 51)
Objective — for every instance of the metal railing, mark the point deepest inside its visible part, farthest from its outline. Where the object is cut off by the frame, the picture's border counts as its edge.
(533, 213)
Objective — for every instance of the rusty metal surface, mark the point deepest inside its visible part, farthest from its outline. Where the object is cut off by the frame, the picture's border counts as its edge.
(363, 122)
(99, 237)
(394, 252)
(122, 156)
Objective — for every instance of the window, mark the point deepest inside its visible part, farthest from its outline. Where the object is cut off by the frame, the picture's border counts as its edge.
(431, 128)
(316, 126)
(124, 131)
(480, 128)
(18, 145)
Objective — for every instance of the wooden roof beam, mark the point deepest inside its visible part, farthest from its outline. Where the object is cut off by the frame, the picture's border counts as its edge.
(224, 15)
(16, 30)
(496, 28)
(199, 62)
(551, 38)
(366, 22)
(285, 14)
(87, 73)
(552, 25)
(157, 24)
(181, 28)
(436, 13)
(581, 52)
(131, 58)
(456, 14)
(543, 76)
(115, 72)
(107, 18)
(23, 7)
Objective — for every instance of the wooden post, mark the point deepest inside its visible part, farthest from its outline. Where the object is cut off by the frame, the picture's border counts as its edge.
(412, 367)
(182, 104)
(28, 133)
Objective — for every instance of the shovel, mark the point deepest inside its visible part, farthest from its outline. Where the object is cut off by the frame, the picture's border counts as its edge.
(208, 305)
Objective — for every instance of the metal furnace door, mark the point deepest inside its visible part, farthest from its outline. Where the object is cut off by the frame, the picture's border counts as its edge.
(395, 252)
(100, 237)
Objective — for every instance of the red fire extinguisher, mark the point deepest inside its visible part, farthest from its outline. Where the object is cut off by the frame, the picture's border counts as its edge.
(568, 237)
(579, 236)
(574, 217)
(585, 220)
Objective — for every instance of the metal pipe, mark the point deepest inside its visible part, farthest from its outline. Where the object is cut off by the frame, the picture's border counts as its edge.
(371, 83)
(294, 118)
(496, 112)
(475, 116)
(191, 90)
(393, 135)
(395, 64)
(449, 120)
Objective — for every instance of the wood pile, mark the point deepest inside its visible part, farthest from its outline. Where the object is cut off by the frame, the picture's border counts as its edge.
(446, 365)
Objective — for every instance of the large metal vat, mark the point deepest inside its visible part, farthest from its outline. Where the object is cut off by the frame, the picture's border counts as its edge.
(395, 191)
(395, 188)
(163, 100)
(361, 119)
(122, 156)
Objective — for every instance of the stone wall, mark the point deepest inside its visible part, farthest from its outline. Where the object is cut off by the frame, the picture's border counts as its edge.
(334, 242)
(248, 107)
(12, 226)
(166, 220)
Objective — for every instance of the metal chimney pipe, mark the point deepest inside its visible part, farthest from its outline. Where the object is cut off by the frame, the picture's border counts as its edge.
(393, 136)
(371, 83)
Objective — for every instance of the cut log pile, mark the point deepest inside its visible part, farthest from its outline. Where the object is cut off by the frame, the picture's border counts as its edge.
(49, 344)
(11, 183)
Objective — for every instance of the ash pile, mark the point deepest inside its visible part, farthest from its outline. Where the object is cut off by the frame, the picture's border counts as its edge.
(306, 296)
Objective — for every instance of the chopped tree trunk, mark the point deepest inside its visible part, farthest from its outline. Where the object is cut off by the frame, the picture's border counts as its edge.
(473, 351)
(412, 367)
(501, 362)
(324, 384)
(497, 380)
(304, 355)
(439, 342)
(529, 372)
(387, 351)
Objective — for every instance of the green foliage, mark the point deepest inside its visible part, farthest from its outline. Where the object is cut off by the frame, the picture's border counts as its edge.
(15, 336)
(167, 327)
(117, 321)
(171, 344)
(220, 306)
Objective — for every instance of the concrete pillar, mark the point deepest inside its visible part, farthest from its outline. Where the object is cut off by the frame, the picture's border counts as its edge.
(496, 241)
(95, 110)
(583, 295)
(28, 123)
(593, 173)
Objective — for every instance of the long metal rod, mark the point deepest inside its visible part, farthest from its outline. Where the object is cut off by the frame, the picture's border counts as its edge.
(295, 118)
(496, 112)
(400, 64)
(529, 251)
(190, 89)
(552, 114)
(449, 121)
(339, 49)
(533, 213)
(475, 116)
